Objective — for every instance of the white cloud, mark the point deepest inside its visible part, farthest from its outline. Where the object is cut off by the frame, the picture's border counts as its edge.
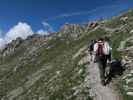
(23, 30)
(20, 30)
(45, 24)
(47, 27)
(42, 32)
(2, 43)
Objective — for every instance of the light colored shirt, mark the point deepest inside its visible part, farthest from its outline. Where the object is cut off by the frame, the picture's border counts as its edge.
(106, 48)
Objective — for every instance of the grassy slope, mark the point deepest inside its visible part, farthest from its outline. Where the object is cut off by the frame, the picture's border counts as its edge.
(117, 37)
(57, 58)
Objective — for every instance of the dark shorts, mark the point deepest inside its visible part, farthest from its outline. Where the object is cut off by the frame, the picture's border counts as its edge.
(102, 62)
(91, 52)
(109, 57)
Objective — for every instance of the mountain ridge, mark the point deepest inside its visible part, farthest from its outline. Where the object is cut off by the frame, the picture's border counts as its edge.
(54, 67)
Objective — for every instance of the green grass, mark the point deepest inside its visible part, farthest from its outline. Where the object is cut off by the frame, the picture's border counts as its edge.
(116, 39)
(56, 58)
(120, 87)
(128, 44)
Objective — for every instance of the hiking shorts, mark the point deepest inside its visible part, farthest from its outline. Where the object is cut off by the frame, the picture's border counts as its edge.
(102, 63)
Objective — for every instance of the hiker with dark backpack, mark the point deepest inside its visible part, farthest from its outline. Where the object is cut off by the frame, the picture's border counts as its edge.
(101, 58)
(98, 49)
(91, 49)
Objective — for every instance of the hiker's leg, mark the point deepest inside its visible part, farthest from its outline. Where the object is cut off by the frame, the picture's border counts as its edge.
(96, 58)
(109, 57)
(100, 64)
(91, 56)
(105, 57)
(102, 72)
(103, 64)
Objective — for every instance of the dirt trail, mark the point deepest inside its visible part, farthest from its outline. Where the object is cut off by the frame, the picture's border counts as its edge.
(93, 81)
(97, 91)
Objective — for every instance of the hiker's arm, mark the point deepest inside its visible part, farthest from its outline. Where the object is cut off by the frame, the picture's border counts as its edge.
(94, 53)
(95, 48)
(110, 48)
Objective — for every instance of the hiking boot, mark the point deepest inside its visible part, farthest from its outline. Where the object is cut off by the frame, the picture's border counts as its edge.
(103, 82)
(95, 60)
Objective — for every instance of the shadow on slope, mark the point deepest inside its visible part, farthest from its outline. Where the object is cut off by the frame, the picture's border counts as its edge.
(116, 69)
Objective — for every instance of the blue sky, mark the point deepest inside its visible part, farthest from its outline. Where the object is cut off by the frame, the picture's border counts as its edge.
(57, 12)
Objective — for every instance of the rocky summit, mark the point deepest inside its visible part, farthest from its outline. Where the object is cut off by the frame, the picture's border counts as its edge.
(57, 66)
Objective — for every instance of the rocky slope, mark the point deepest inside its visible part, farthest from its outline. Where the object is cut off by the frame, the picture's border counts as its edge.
(56, 67)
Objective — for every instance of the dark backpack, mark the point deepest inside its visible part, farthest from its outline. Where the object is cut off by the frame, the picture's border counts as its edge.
(91, 46)
(99, 51)
(116, 67)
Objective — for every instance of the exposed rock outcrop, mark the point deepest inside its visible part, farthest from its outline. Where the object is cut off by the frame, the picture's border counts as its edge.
(10, 47)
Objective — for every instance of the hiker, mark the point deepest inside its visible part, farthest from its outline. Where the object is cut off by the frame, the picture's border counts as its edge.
(101, 55)
(107, 49)
(91, 49)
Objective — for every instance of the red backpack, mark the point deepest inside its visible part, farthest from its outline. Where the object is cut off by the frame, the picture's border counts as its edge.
(99, 51)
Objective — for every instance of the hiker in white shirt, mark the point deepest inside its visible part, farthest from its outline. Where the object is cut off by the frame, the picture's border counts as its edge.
(107, 49)
(102, 51)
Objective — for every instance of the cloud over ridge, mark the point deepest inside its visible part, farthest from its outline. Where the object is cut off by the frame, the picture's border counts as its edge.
(23, 30)
(20, 30)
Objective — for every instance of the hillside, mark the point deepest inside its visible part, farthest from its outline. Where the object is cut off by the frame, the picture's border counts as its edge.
(55, 67)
